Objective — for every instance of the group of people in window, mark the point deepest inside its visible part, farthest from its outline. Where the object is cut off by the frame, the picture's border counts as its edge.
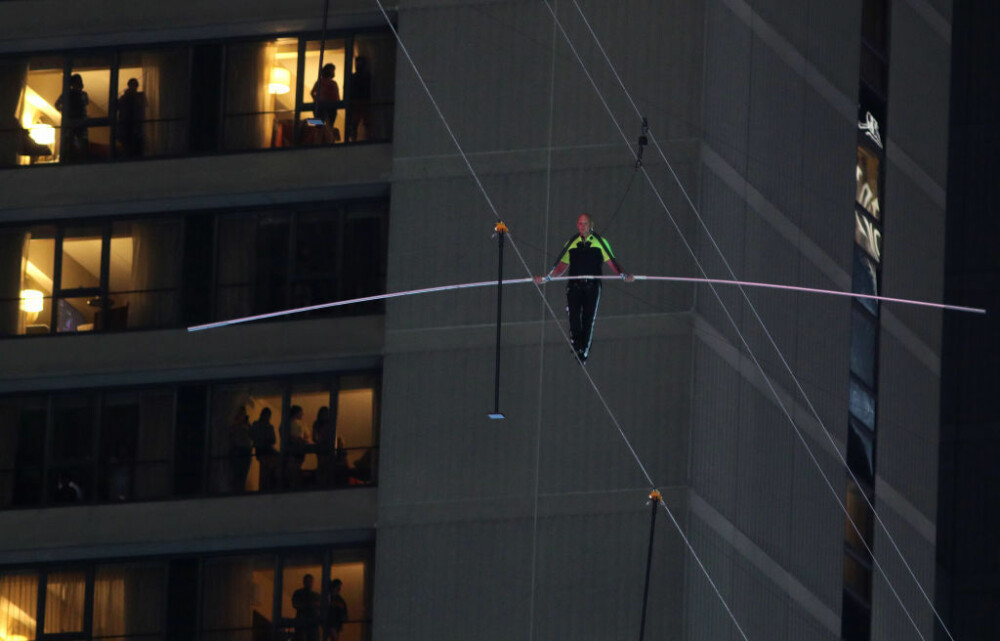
(327, 102)
(286, 466)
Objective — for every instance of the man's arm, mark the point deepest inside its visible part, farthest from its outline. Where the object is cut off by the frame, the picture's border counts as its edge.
(628, 278)
(558, 270)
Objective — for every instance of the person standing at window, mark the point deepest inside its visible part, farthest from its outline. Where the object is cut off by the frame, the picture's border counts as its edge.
(264, 440)
(73, 105)
(240, 450)
(336, 612)
(326, 97)
(298, 444)
(360, 99)
(131, 114)
(306, 602)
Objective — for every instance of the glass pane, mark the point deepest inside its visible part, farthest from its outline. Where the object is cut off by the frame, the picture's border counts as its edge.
(347, 608)
(855, 619)
(301, 599)
(323, 92)
(364, 253)
(77, 314)
(310, 424)
(237, 599)
(144, 273)
(85, 106)
(317, 258)
(865, 280)
(272, 263)
(857, 577)
(37, 280)
(356, 428)
(862, 404)
(246, 455)
(152, 103)
(72, 448)
(260, 96)
(136, 431)
(371, 90)
(64, 596)
(868, 236)
(861, 452)
(39, 114)
(867, 173)
(22, 448)
(236, 261)
(13, 247)
(863, 334)
(81, 258)
(128, 600)
(861, 514)
(18, 605)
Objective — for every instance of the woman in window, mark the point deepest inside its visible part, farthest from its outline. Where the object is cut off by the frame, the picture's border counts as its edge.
(326, 96)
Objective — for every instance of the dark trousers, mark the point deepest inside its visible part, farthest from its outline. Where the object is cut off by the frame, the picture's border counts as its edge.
(582, 298)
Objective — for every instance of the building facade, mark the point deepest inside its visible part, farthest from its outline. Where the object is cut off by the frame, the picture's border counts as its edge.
(167, 484)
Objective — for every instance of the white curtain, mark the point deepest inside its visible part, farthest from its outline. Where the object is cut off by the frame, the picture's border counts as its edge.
(229, 601)
(166, 89)
(155, 252)
(128, 601)
(18, 604)
(248, 103)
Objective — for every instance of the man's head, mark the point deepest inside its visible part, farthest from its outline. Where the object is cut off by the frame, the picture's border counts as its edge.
(307, 581)
(335, 586)
(133, 84)
(584, 225)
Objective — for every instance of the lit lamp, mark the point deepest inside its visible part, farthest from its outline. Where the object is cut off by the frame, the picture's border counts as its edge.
(281, 79)
(43, 134)
(32, 300)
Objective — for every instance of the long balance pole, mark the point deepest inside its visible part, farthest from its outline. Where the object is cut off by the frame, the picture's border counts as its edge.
(501, 230)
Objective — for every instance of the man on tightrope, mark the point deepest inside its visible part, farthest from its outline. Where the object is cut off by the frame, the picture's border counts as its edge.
(583, 255)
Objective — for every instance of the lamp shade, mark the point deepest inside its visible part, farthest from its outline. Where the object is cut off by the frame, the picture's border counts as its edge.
(32, 300)
(43, 134)
(281, 79)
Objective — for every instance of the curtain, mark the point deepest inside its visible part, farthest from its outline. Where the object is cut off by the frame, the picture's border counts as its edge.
(128, 601)
(248, 68)
(381, 54)
(229, 601)
(13, 74)
(153, 451)
(166, 86)
(236, 266)
(155, 252)
(13, 243)
(225, 402)
(18, 605)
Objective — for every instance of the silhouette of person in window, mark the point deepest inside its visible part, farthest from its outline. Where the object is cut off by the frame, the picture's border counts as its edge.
(326, 96)
(264, 440)
(336, 612)
(361, 99)
(73, 105)
(298, 444)
(306, 602)
(131, 115)
(323, 436)
(240, 450)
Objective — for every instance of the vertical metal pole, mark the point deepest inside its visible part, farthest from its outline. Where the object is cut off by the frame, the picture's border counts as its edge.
(501, 230)
(654, 499)
(322, 42)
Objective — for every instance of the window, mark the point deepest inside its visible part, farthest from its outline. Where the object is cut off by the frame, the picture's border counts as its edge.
(125, 602)
(268, 436)
(90, 277)
(299, 594)
(296, 91)
(97, 107)
(273, 260)
(867, 173)
(126, 103)
(862, 404)
(863, 339)
(861, 452)
(868, 236)
(864, 280)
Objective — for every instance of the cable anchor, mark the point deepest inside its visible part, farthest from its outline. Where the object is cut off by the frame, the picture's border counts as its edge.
(643, 141)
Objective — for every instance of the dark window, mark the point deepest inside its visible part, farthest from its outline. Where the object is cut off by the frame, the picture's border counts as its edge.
(273, 260)
(855, 618)
(864, 280)
(861, 452)
(860, 512)
(863, 342)
(22, 450)
(862, 404)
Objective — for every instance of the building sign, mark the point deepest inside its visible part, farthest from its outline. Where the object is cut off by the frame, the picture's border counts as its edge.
(869, 125)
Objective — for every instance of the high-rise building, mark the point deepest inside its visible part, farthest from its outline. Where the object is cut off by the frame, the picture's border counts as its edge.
(335, 474)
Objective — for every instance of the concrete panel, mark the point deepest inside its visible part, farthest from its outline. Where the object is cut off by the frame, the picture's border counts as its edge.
(918, 91)
(167, 527)
(230, 180)
(259, 349)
